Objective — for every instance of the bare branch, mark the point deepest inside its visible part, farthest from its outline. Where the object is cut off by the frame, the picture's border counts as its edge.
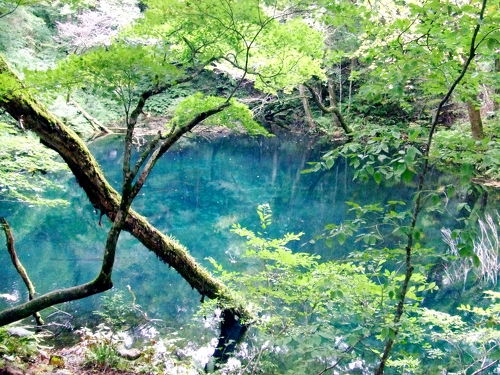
(482, 369)
(12, 10)
(19, 266)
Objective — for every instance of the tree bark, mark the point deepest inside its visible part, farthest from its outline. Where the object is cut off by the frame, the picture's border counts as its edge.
(57, 136)
(333, 101)
(331, 109)
(476, 124)
(307, 109)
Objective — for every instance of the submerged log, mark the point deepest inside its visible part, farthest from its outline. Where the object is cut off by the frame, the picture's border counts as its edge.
(232, 331)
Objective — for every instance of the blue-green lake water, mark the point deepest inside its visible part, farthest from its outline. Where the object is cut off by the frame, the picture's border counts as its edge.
(196, 192)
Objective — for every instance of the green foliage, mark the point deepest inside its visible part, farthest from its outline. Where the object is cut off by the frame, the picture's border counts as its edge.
(119, 310)
(236, 116)
(121, 71)
(30, 41)
(302, 303)
(384, 154)
(159, 356)
(265, 215)
(18, 348)
(8, 86)
(287, 55)
(277, 52)
(100, 348)
(417, 50)
(457, 343)
(373, 224)
(104, 356)
(457, 147)
(166, 102)
(26, 168)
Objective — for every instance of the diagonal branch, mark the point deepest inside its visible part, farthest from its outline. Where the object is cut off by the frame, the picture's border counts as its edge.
(100, 284)
(57, 136)
(169, 141)
(131, 122)
(482, 369)
(18, 2)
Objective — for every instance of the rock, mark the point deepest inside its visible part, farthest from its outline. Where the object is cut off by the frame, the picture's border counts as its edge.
(9, 297)
(19, 332)
(11, 371)
(180, 354)
(130, 354)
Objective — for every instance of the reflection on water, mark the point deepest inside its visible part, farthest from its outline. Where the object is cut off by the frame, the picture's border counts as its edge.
(195, 193)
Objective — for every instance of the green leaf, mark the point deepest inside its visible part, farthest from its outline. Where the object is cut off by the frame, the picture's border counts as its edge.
(407, 176)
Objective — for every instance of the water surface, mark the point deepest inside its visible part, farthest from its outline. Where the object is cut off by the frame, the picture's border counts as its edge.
(196, 192)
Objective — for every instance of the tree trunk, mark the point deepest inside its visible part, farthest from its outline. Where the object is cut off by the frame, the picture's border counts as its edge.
(307, 109)
(57, 136)
(333, 101)
(476, 124)
(331, 109)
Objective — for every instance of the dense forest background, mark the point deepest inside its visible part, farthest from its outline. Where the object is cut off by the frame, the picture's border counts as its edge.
(107, 108)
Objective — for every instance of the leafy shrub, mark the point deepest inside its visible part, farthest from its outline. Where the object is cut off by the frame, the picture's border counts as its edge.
(100, 347)
(18, 347)
(456, 146)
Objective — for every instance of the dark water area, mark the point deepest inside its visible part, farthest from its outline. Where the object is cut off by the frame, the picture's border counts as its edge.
(195, 193)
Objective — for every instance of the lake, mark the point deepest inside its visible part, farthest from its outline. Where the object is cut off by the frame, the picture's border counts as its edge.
(196, 192)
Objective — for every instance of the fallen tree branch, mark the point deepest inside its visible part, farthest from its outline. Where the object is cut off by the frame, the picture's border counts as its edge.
(95, 123)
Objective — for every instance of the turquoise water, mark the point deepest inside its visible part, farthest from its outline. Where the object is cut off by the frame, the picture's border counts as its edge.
(195, 193)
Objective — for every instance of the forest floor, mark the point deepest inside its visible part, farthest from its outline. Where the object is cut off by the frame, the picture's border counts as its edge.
(65, 361)
(75, 360)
